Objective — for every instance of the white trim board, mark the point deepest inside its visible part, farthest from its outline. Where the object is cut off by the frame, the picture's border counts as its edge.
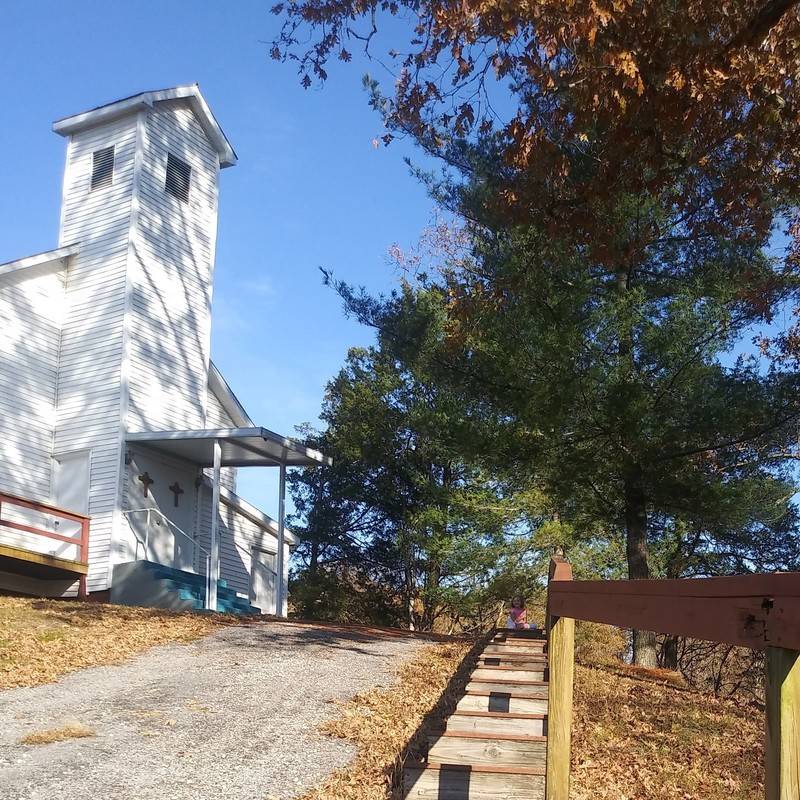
(55, 257)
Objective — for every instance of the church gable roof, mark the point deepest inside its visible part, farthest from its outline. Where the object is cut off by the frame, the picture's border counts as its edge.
(128, 105)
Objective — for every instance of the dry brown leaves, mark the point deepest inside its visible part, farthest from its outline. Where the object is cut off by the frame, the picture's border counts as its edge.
(383, 723)
(75, 731)
(637, 739)
(40, 640)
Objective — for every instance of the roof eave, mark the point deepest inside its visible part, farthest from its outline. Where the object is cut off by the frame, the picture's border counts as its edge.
(58, 256)
(191, 92)
(230, 402)
(308, 456)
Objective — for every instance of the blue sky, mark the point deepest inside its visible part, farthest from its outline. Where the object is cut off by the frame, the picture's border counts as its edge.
(309, 190)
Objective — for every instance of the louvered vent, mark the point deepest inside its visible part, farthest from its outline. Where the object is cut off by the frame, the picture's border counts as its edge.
(179, 176)
(102, 167)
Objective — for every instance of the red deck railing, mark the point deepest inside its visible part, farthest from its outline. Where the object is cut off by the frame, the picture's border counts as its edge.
(757, 611)
(81, 540)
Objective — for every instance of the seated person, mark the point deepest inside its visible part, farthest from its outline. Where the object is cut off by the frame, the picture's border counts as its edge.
(517, 616)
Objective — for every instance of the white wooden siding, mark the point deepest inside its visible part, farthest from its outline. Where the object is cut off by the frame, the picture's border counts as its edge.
(31, 310)
(164, 545)
(238, 535)
(131, 348)
(89, 387)
(218, 418)
(171, 277)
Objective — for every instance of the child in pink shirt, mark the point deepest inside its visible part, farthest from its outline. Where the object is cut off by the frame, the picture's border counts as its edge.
(517, 616)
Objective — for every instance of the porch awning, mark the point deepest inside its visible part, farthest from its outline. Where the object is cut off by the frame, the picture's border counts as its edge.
(241, 447)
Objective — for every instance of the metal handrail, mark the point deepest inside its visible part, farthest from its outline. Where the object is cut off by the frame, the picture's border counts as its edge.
(195, 544)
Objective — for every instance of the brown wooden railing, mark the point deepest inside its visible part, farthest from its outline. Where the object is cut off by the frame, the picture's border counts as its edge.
(757, 611)
(81, 540)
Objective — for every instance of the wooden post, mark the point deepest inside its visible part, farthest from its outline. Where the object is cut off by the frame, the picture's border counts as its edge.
(84, 556)
(561, 667)
(782, 748)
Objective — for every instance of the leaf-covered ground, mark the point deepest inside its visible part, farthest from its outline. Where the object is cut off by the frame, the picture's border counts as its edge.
(40, 640)
(639, 739)
(381, 723)
(635, 736)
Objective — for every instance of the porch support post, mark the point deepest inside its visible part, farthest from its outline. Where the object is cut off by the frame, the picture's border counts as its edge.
(280, 598)
(213, 577)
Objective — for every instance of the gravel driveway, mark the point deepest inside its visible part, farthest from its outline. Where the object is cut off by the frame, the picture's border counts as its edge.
(229, 717)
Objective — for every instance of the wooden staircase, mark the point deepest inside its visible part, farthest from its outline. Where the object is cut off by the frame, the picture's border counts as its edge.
(494, 745)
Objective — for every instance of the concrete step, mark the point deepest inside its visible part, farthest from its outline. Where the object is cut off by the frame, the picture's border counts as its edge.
(483, 700)
(487, 672)
(227, 601)
(181, 576)
(521, 688)
(435, 781)
(481, 749)
(497, 722)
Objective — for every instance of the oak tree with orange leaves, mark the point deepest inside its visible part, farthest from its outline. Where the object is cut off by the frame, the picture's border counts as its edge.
(644, 145)
(694, 102)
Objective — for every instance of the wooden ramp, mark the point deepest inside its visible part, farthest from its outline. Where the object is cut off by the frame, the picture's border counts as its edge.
(494, 745)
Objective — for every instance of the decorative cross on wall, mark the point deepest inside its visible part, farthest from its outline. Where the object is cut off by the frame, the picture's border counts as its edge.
(146, 481)
(177, 491)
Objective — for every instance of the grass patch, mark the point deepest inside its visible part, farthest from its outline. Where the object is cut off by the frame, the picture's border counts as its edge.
(383, 723)
(41, 640)
(61, 734)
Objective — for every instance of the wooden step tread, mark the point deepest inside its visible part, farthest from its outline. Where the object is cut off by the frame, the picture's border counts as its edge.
(502, 702)
(521, 633)
(436, 781)
(506, 642)
(509, 681)
(477, 692)
(521, 644)
(500, 769)
(503, 669)
(501, 724)
(488, 749)
(514, 656)
(499, 714)
(479, 735)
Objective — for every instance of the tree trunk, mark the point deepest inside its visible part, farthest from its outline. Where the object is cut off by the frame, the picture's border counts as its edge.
(669, 653)
(644, 642)
(314, 558)
(408, 580)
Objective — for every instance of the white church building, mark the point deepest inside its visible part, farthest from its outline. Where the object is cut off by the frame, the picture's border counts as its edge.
(119, 438)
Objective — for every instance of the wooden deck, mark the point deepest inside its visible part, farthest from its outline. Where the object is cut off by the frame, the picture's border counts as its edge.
(39, 565)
